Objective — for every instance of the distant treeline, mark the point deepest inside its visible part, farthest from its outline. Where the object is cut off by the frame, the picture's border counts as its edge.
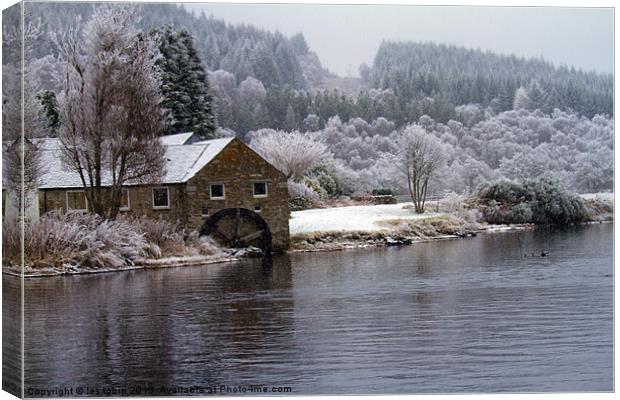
(457, 76)
(261, 79)
(243, 50)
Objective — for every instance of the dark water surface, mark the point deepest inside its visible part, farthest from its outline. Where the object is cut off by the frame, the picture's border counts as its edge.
(468, 315)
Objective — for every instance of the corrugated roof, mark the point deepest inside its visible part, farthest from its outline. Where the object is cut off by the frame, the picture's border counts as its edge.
(182, 163)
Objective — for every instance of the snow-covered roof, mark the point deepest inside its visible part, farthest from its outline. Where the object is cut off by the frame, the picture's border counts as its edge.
(182, 163)
(176, 139)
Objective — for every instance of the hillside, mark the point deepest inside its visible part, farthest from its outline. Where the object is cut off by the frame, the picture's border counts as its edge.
(425, 78)
(457, 76)
(243, 50)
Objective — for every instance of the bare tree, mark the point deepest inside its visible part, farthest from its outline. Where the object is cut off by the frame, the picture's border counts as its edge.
(110, 113)
(419, 155)
(293, 153)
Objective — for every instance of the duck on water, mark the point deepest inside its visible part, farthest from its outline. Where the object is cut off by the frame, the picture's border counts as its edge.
(543, 253)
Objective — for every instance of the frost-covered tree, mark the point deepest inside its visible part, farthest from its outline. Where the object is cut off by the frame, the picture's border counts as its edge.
(184, 85)
(110, 107)
(22, 114)
(293, 153)
(311, 122)
(224, 88)
(365, 71)
(419, 155)
(455, 75)
(251, 105)
(533, 97)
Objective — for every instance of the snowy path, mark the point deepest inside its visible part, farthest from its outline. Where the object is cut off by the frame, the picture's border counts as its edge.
(355, 218)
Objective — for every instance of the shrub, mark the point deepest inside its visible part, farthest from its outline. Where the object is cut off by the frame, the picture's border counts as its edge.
(383, 192)
(301, 196)
(520, 214)
(77, 238)
(452, 203)
(551, 204)
(542, 201)
(504, 192)
(299, 189)
(300, 203)
(600, 209)
(327, 180)
(428, 227)
(315, 186)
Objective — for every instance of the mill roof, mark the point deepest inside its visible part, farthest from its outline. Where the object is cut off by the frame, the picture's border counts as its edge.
(183, 161)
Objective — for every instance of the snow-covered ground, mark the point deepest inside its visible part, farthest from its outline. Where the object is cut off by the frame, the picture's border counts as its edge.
(348, 219)
(599, 196)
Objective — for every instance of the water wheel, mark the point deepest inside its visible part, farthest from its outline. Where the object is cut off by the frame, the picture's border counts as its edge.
(238, 228)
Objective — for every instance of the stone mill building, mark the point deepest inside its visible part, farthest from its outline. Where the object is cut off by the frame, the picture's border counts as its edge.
(202, 178)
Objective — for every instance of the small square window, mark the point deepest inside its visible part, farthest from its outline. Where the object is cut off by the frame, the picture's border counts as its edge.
(257, 209)
(76, 200)
(260, 189)
(125, 200)
(161, 198)
(217, 191)
(205, 212)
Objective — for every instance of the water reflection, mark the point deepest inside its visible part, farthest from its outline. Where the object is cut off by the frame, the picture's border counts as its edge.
(11, 335)
(453, 316)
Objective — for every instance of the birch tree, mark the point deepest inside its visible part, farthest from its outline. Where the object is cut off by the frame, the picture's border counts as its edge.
(109, 108)
(419, 155)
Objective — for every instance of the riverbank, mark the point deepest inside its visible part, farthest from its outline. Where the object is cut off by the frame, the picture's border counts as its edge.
(397, 225)
(168, 262)
(79, 243)
(396, 233)
(74, 244)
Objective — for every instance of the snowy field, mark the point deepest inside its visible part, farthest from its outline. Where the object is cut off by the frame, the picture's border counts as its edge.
(599, 196)
(348, 219)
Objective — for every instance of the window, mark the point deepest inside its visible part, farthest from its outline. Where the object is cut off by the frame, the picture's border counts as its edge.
(125, 205)
(76, 200)
(257, 209)
(260, 189)
(205, 212)
(161, 198)
(217, 191)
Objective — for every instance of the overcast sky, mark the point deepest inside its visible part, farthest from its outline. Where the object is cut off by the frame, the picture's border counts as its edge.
(345, 36)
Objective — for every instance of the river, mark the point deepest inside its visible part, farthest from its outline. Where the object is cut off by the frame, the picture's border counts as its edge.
(453, 316)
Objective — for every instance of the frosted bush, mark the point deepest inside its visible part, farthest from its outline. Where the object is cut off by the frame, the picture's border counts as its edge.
(471, 216)
(452, 203)
(76, 238)
(301, 189)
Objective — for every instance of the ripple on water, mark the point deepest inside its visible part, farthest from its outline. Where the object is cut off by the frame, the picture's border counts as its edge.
(452, 316)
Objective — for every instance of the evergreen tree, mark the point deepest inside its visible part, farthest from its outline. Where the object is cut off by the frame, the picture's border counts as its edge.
(299, 44)
(185, 86)
(50, 108)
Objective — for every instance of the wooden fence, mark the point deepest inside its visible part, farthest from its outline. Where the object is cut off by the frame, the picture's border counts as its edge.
(406, 198)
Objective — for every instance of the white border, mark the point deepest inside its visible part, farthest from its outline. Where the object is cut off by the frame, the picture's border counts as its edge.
(223, 197)
(167, 196)
(260, 196)
(128, 201)
(67, 200)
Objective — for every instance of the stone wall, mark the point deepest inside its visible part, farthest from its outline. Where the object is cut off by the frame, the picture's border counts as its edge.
(140, 202)
(237, 167)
